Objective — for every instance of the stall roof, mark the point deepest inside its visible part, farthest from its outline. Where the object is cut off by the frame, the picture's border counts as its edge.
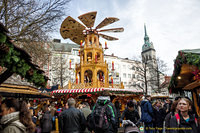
(97, 90)
(23, 90)
(186, 69)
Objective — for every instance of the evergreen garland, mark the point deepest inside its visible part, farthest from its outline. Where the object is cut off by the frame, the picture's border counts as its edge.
(17, 64)
(183, 58)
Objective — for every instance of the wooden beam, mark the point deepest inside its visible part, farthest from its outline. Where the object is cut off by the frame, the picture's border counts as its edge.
(4, 76)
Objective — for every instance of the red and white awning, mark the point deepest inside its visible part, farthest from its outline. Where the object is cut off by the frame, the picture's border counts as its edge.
(93, 90)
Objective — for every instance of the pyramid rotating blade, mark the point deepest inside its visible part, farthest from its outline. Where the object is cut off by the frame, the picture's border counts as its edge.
(88, 18)
(110, 38)
(76, 36)
(70, 25)
(77, 39)
(107, 21)
(112, 30)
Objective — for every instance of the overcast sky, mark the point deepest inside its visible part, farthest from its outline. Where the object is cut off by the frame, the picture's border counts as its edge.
(172, 25)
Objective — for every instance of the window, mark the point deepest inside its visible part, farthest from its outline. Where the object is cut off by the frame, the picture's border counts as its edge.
(72, 61)
(45, 67)
(109, 65)
(117, 66)
(142, 84)
(129, 75)
(129, 83)
(125, 83)
(124, 75)
(124, 66)
(55, 58)
(133, 75)
(133, 68)
(117, 74)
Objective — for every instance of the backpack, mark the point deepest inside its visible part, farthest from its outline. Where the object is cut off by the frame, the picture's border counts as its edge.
(178, 119)
(90, 123)
(100, 118)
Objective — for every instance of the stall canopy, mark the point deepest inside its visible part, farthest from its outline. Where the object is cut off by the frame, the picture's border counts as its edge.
(186, 69)
(23, 91)
(15, 60)
(96, 90)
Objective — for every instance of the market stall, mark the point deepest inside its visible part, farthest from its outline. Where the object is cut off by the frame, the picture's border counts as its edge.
(21, 91)
(186, 76)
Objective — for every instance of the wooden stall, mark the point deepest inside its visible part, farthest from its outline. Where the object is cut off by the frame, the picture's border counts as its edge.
(186, 75)
(90, 95)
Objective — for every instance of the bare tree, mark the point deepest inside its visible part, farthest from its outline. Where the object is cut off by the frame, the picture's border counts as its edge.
(31, 21)
(148, 74)
(60, 70)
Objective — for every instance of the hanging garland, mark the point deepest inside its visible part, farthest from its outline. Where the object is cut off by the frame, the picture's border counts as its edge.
(183, 58)
(13, 60)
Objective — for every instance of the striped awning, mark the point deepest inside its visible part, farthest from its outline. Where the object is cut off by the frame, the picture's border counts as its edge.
(93, 90)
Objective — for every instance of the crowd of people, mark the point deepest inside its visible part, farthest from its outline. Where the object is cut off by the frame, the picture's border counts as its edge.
(177, 116)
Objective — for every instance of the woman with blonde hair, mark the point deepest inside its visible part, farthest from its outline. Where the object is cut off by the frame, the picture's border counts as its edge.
(183, 121)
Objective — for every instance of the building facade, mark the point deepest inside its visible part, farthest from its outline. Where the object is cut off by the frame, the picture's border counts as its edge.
(134, 74)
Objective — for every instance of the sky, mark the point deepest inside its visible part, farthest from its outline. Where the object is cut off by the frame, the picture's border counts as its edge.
(172, 25)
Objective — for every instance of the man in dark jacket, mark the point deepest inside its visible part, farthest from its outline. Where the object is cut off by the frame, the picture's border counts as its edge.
(46, 120)
(130, 113)
(147, 114)
(72, 120)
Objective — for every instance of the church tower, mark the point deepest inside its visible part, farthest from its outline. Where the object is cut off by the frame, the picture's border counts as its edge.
(148, 51)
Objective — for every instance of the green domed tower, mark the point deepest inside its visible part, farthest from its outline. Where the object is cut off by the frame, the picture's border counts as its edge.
(148, 51)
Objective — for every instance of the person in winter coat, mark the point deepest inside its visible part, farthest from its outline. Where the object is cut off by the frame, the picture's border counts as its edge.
(174, 110)
(110, 113)
(46, 120)
(72, 120)
(183, 122)
(167, 105)
(16, 117)
(130, 113)
(159, 116)
(147, 114)
(118, 113)
(86, 111)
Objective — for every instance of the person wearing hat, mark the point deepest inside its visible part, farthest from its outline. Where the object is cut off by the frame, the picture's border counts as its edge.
(130, 113)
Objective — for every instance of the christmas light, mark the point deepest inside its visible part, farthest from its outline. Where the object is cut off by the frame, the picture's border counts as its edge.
(112, 81)
(81, 43)
(106, 47)
(70, 64)
(112, 65)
